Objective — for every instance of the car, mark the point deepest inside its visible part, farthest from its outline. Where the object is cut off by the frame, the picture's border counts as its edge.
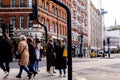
(101, 53)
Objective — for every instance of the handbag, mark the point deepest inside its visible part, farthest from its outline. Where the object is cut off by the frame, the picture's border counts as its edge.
(18, 56)
(65, 53)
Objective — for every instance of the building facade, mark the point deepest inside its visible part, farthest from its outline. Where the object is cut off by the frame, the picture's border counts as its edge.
(79, 25)
(95, 27)
(86, 21)
(51, 15)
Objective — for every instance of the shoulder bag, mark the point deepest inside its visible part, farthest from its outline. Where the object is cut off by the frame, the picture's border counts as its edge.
(19, 55)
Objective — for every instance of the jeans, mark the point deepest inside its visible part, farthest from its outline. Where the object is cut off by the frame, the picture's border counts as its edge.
(60, 71)
(36, 66)
(25, 68)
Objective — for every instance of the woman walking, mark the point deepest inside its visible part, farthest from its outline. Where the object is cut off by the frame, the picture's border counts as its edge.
(32, 56)
(50, 50)
(5, 54)
(24, 60)
(61, 62)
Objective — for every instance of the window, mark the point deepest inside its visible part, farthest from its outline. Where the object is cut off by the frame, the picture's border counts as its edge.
(43, 21)
(0, 3)
(57, 11)
(30, 23)
(47, 6)
(56, 28)
(47, 23)
(13, 3)
(21, 3)
(13, 21)
(63, 28)
(22, 22)
(43, 2)
(29, 3)
(53, 9)
(52, 27)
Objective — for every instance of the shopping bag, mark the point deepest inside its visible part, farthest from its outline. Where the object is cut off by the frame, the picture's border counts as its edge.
(65, 53)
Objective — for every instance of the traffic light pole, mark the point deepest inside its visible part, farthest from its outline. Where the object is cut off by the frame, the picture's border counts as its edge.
(69, 38)
(36, 13)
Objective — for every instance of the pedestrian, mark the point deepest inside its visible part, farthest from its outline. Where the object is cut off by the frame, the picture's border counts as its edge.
(61, 61)
(5, 54)
(38, 56)
(32, 56)
(24, 60)
(50, 56)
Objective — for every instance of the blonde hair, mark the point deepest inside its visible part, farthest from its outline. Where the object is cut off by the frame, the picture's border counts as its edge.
(22, 37)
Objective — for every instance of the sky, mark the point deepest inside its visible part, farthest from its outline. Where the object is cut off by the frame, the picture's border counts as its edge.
(113, 11)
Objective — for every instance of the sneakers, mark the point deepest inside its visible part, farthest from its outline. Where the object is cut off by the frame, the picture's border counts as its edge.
(60, 75)
(64, 75)
(6, 74)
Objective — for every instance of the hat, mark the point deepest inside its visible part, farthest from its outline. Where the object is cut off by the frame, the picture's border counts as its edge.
(22, 37)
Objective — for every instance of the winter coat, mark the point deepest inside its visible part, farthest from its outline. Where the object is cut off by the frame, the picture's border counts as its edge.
(50, 55)
(24, 60)
(32, 56)
(61, 62)
(5, 50)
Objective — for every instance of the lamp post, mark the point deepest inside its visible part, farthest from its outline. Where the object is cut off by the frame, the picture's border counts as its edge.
(80, 38)
(108, 42)
(69, 38)
(104, 48)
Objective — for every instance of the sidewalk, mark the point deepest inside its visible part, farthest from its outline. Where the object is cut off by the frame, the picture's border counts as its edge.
(42, 75)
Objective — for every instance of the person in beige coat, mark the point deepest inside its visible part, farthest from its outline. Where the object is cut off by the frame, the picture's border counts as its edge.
(24, 60)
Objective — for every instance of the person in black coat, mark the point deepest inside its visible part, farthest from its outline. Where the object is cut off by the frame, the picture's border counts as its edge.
(61, 62)
(6, 54)
(50, 57)
(32, 56)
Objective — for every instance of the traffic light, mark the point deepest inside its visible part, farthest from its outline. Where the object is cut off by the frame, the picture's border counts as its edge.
(10, 30)
(34, 13)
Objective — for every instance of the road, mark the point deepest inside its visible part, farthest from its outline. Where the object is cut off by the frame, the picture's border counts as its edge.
(98, 68)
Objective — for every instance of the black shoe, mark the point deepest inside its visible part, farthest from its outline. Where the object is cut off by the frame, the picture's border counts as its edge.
(29, 75)
(18, 76)
(54, 72)
(34, 74)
